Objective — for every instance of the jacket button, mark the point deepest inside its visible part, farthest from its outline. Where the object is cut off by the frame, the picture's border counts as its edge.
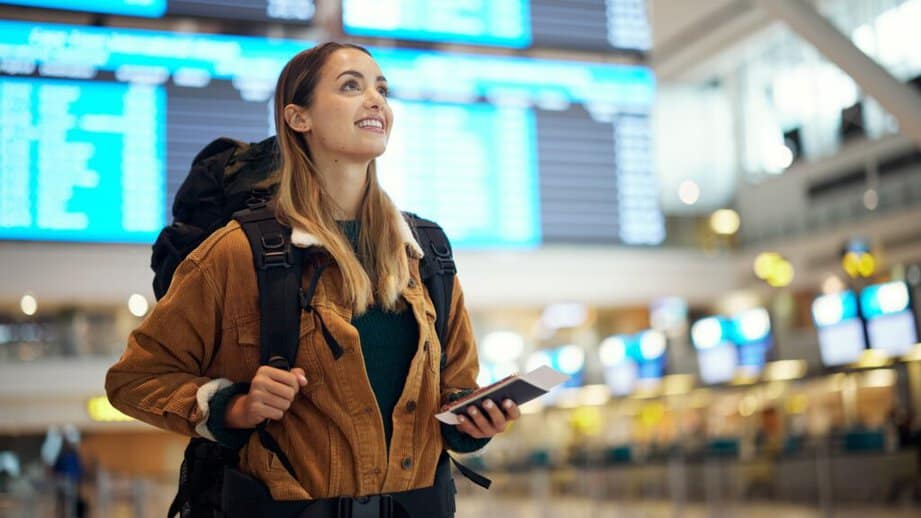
(411, 406)
(412, 282)
(407, 463)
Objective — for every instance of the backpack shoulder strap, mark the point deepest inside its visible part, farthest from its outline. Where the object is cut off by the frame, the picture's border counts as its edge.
(279, 267)
(437, 270)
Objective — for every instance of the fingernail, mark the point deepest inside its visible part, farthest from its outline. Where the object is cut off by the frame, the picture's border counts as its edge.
(508, 403)
(488, 404)
(303, 380)
(460, 419)
(472, 411)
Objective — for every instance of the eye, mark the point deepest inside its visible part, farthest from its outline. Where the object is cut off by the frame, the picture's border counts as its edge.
(383, 90)
(350, 85)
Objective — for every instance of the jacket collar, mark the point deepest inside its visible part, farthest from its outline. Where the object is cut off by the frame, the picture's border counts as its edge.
(300, 237)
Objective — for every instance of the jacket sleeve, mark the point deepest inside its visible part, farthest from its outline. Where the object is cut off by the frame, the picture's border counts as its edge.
(459, 375)
(160, 377)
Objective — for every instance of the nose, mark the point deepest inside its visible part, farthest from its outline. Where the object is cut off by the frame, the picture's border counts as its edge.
(374, 99)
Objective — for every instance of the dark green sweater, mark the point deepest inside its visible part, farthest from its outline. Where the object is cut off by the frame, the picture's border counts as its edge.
(388, 344)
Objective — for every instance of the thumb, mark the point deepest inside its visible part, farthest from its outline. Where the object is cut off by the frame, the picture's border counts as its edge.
(301, 375)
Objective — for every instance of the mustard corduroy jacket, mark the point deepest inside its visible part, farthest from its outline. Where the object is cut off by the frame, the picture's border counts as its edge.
(204, 335)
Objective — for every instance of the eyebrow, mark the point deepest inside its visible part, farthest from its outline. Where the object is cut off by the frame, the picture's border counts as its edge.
(359, 75)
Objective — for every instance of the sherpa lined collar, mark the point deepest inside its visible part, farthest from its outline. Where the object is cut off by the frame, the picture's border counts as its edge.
(302, 238)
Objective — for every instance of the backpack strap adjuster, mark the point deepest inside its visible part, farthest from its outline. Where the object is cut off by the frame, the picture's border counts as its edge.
(275, 259)
(446, 266)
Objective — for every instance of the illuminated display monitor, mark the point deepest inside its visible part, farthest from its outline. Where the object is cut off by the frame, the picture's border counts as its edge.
(890, 321)
(146, 8)
(840, 330)
(584, 25)
(717, 355)
(751, 332)
(285, 11)
(732, 346)
(629, 360)
(81, 160)
(485, 145)
(485, 22)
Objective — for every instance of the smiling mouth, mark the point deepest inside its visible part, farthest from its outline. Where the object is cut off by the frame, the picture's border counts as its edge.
(371, 124)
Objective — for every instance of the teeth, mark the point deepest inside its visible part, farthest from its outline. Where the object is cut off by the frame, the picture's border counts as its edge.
(370, 123)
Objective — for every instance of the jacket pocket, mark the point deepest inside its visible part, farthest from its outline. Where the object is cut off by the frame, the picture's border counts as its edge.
(249, 350)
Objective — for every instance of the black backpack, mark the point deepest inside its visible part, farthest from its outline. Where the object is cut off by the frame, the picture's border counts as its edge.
(230, 180)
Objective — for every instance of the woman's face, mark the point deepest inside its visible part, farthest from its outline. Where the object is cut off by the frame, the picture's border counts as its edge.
(349, 117)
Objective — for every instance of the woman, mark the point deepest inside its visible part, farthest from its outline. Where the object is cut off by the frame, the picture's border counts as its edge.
(354, 426)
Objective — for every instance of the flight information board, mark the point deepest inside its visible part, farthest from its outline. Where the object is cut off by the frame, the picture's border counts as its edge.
(294, 11)
(578, 24)
(80, 160)
(147, 8)
(503, 151)
(480, 184)
(485, 22)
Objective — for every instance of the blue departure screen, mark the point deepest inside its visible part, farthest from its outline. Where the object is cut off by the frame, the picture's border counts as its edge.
(276, 11)
(477, 165)
(503, 151)
(81, 160)
(594, 25)
(147, 8)
(485, 22)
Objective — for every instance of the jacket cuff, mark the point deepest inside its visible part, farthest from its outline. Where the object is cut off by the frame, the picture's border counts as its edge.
(454, 439)
(203, 398)
(233, 438)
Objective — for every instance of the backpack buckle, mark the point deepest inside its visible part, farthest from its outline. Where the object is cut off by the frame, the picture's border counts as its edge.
(372, 506)
(274, 252)
(275, 259)
(446, 265)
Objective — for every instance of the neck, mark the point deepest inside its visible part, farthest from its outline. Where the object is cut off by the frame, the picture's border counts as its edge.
(344, 181)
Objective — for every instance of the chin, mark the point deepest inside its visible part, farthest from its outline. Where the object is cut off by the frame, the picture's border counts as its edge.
(373, 152)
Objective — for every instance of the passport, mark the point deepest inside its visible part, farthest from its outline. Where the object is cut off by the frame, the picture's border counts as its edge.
(520, 388)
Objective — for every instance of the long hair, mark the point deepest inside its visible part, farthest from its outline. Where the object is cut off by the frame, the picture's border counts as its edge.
(380, 269)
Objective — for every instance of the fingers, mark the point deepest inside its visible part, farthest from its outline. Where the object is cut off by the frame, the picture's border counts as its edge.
(290, 378)
(300, 375)
(264, 411)
(496, 416)
(272, 391)
(271, 401)
(468, 427)
(512, 412)
(483, 426)
(490, 421)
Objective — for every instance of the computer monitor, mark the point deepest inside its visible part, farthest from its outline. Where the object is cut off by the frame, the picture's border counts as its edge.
(891, 325)
(840, 329)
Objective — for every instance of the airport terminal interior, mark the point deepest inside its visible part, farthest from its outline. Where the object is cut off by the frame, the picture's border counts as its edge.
(705, 213)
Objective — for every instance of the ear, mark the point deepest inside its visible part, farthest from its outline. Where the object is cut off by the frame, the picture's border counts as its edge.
(297, 118)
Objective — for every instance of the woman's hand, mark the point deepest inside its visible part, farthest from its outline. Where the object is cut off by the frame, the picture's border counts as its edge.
(487, 423)
(270, 395)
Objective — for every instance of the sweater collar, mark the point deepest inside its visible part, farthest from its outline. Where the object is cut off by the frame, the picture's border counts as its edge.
(302, 238)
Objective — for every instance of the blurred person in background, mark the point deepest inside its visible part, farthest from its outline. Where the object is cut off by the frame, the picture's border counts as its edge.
(359, 425)
(61, 452)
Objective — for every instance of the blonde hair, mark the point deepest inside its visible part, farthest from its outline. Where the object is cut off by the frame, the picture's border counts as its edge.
(380, 269)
